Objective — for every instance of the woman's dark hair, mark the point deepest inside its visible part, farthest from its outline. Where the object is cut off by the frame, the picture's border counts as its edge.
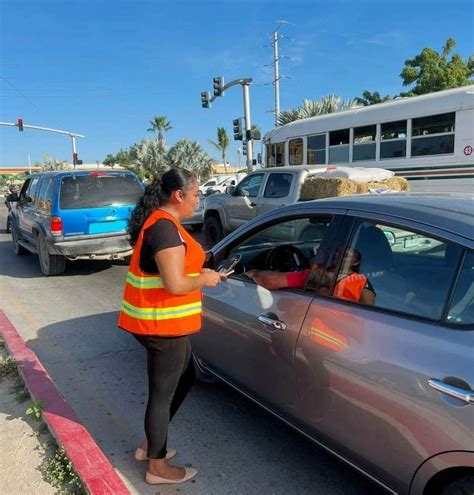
(157, 194)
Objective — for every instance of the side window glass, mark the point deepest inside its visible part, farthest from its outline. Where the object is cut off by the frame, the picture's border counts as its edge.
(396, 269)
(288, 247)
(295, 151)
(32, 190)
(461, 308)
(278, 185)
(45, 194)
(250, 186)
(24, 188)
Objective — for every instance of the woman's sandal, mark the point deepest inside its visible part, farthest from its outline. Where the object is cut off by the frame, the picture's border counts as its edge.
(151, 479)
(141, 455)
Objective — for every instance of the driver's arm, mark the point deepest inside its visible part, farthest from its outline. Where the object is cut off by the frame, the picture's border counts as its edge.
(278, 280)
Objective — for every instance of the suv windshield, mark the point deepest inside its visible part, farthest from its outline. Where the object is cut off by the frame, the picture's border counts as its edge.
(95, 190)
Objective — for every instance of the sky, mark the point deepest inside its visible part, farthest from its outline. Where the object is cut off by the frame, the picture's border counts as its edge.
(105, 68)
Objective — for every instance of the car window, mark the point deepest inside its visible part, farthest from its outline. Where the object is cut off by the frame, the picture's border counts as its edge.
(32, 189)
(96, 190)
(396, 269)
(461, 308)
(278, 185)
(287, 246)
(45, 194)
(250, 186)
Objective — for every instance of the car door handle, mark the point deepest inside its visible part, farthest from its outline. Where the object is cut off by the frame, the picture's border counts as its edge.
(274, 323)
(253, 204)
(459, 393)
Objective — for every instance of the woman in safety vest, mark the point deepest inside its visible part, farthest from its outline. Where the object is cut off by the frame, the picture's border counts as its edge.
(162, 305)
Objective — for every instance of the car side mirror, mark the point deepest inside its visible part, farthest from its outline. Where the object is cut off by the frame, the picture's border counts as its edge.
(230, 190)
(244, 192)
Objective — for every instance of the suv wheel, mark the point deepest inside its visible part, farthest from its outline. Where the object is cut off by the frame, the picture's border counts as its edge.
(213, 231)
(50, 264)
(17, 249)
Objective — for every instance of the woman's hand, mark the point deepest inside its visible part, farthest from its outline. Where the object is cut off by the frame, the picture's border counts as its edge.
(212, 278)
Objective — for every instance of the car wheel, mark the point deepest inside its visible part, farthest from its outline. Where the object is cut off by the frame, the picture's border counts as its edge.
(17, 249)
(461, 486)
(50, 264)
(197, 227)
(213, 231)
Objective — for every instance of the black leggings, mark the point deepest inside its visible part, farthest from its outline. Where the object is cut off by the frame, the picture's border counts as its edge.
(170, 376)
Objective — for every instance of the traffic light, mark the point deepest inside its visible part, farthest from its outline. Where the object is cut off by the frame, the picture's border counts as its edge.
(244, 148)
(20, 124)
(205, 97)
(218, 83)
(74, 158)
(238, 131)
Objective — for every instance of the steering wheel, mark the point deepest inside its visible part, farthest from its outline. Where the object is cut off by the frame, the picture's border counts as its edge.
(286, 258)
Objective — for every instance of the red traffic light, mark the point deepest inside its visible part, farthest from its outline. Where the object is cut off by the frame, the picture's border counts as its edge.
(74, 158)
(20, 124)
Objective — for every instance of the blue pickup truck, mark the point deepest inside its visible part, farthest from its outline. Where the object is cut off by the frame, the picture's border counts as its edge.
(74, 215)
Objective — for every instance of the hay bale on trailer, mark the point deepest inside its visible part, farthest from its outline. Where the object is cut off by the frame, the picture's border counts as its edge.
(328, 187)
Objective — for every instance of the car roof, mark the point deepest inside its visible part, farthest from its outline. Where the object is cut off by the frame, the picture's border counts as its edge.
(453, 212)
(55, 173)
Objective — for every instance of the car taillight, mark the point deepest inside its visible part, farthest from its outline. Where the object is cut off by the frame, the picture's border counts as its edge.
(56, 226)
(97, 174)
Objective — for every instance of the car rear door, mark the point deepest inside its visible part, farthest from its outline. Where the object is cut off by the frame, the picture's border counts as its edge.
(26, 207)
(97, 203)
(249, 333)
(363, 370)
(278, 189)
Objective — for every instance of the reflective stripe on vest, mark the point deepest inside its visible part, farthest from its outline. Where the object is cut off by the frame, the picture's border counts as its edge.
(149, 282)
(161, 313)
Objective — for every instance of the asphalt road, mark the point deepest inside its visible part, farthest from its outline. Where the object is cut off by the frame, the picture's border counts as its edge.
(70, 322)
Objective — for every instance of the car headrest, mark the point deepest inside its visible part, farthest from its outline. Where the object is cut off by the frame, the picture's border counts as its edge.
(374, 249)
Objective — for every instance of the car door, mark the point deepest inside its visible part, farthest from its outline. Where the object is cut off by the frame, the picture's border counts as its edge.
(26, 207)
(242, 205)
(279, 187)
(363, 368)
(249, 333)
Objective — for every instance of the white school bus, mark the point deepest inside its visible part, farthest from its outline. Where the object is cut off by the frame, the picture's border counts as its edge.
(428, 139)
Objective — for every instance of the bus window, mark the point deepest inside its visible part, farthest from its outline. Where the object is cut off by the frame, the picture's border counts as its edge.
(270, 159)
(364, 143)
(433, 135)
(339, 146)
(393, 139)
(316, 154)
(279, 152)
(295, 149)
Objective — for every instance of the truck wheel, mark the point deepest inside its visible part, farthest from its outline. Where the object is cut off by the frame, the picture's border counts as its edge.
(213, 231)
(17, 249)
(50, 264)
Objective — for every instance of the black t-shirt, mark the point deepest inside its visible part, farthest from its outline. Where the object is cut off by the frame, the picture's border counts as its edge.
(162, 234)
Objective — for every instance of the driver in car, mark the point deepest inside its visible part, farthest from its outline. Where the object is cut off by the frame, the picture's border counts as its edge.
(350, 284)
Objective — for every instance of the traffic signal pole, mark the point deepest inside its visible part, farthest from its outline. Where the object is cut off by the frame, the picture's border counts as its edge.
(72, 135)
(219, 89)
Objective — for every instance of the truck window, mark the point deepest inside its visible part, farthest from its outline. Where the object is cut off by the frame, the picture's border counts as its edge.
(278, 185)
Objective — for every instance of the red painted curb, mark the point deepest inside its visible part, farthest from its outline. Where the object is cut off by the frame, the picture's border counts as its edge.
(90, 464)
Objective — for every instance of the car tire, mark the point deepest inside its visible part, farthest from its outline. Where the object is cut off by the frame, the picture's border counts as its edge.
(461, 486)
(50, 264)
(213, 231)
(197, 227)
(17, 248)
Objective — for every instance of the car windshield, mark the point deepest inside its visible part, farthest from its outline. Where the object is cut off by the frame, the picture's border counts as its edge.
(92, 191)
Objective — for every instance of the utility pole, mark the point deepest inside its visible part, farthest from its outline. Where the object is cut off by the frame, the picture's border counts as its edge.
(276, 69)
(219, 88)
(72, 135)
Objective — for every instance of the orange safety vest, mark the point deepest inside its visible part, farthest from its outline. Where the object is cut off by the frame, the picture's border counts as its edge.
(350, 287)
(147, 307)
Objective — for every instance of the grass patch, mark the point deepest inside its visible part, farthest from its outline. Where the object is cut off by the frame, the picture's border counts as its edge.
(19, 390)
(8, 368)
(59, 472)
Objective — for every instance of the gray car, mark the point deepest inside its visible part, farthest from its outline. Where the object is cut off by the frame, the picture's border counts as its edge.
(385, 385)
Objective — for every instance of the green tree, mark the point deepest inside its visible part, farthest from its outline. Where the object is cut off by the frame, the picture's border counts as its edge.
(190, 155)
(160, 125)
(109, 160)
(313, 108)
(369, 98)
(50, 163)
(222, 144)
(432, 71)
(149, 158)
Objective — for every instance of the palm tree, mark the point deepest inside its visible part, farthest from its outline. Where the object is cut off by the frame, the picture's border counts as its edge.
(161, 125)
(50, 163)
(313, 108)
(222, 144)
(190, 155)
(150, 158)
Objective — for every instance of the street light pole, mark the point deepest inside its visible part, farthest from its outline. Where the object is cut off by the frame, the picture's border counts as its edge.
(248, 127)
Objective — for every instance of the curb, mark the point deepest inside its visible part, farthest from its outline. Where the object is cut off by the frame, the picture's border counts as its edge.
(93, 468)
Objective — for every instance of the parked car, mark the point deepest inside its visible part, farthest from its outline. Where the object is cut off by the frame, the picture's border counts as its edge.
(221, 187)
(196, 221)
(386, 386)
(74, 215)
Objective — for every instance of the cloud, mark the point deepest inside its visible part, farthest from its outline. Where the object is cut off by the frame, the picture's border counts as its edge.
(390, 38)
